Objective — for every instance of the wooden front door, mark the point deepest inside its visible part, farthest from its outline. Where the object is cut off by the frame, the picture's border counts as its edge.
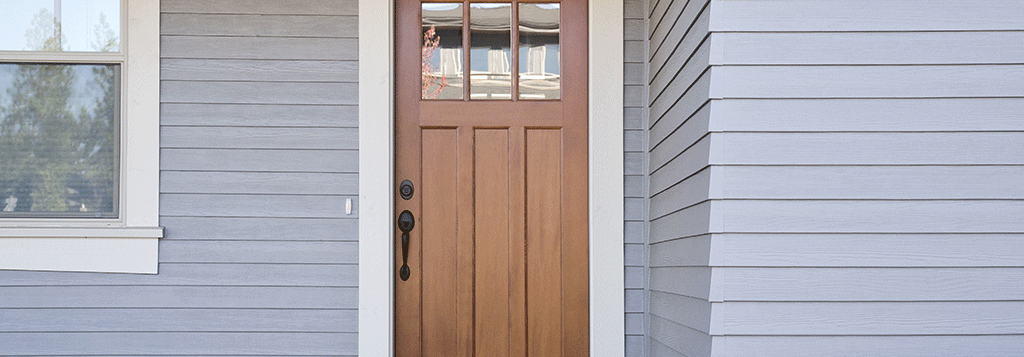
(491, 148)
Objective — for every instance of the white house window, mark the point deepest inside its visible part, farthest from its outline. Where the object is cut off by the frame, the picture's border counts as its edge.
(79, 132)
(59, 109)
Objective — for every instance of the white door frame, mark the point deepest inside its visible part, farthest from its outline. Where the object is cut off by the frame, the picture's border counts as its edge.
(376, 178)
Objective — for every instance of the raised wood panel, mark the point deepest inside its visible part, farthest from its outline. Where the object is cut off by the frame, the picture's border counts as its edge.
(328, 161)
(276, 252)
(190, 320)
(544, 241)
(687, 222)
(694, 282)
(438, 247)
(689, 162)
(294, 275)
(696, 96)
(855, 346)
(683, 310)
(258, 70)
(868, 81)
(494, 246)
(300, 183)
(258, 93)
(794, 115)
(258, 25)
(685, 252)
(869, 48)
(869, 15)
(868, 250)
(873, 318)
(872, 284)
(234, 205)
(253, 115)
(690, 191)
(259, 7)
(259, 138)
(260, 229)
(872, 182)
(681, 41)
(252, 297)
(673, 339)
(178, 343)
(857, 216)
(278, 48)
(988, 148)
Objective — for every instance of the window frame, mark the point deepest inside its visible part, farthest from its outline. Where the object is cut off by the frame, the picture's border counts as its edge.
(128, 243)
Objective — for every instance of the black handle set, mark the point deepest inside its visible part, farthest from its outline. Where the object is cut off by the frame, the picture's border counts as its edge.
(405, 223)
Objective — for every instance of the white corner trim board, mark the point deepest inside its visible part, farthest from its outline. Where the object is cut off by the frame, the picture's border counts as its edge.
(376, 162)
(128, 244)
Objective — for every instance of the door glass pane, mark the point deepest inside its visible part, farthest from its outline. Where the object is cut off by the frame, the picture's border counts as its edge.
(538, 51)
(58, 140)
(61, 25)
(442, 51)
(490, 29)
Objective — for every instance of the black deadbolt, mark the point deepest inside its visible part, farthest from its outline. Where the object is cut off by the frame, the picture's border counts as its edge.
(406, 221)
(406, 189)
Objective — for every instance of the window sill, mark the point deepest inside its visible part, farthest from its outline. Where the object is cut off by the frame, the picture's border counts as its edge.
(81, 249)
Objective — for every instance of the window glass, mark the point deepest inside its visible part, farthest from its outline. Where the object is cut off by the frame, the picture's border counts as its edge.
(442, 51)
(538, 51)
(60, 25)
(58, 139)
(490, 29)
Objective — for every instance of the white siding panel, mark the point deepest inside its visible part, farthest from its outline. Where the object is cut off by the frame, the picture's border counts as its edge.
(874, 318)
(872, 284)
(867, 15)
(871, 48)
(868, 81)
(868, 250)
(856, 346)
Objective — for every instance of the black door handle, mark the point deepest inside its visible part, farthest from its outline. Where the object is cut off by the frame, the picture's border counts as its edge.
(405, 223)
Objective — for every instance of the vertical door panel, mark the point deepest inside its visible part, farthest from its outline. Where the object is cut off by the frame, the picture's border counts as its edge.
(543, 241)
(492, 242)
(439, 241)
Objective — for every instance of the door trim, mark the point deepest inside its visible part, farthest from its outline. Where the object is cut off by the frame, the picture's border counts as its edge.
(376, 175)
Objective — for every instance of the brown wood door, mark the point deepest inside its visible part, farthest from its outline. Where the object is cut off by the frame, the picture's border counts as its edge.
(498, 161)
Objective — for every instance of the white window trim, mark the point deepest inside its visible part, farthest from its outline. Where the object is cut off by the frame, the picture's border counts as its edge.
(128, 244)
(376, 175)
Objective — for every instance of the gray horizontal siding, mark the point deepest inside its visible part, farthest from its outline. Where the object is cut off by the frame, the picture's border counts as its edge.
(862, 178)
(634, 145)
(258, 157)
(678, 87)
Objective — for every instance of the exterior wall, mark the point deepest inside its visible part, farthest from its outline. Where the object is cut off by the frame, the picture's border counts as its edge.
(678, 178)
(866, 160)
(635, 186)
(258, 156)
